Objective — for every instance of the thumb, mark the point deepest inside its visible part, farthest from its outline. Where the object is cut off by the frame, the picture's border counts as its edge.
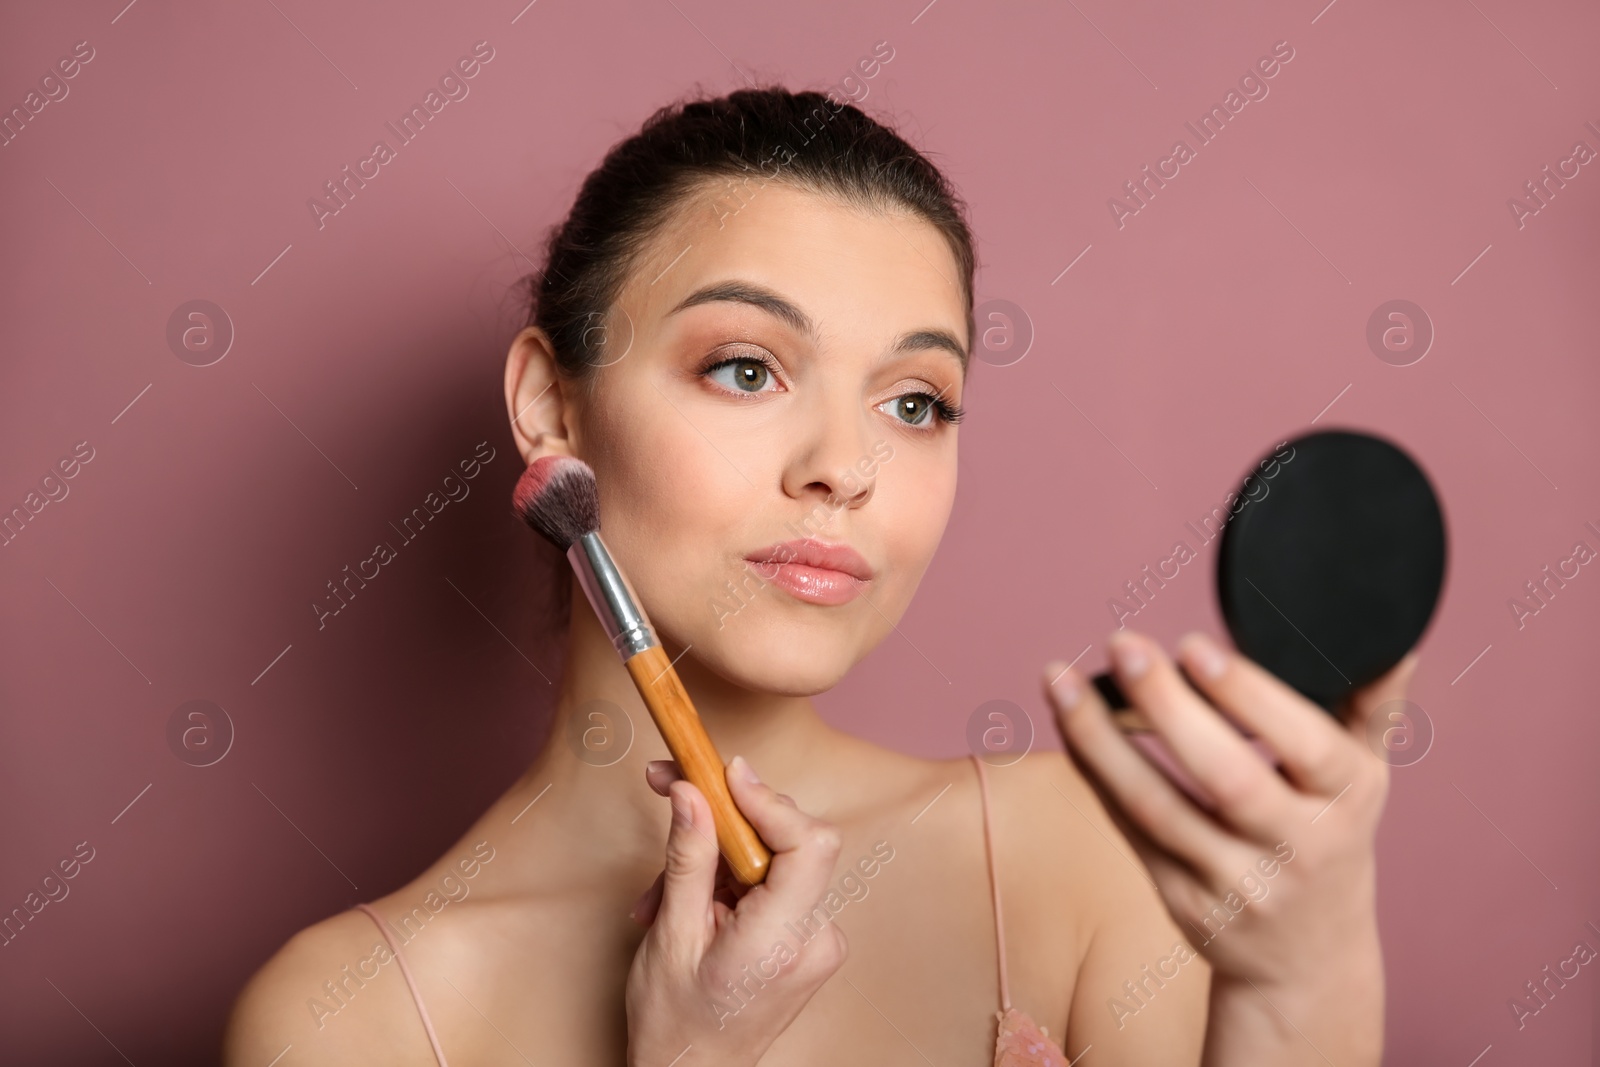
(691, 868)
(1393, 685)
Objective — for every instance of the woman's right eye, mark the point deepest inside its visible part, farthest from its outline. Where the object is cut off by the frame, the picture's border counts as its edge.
(744, 374)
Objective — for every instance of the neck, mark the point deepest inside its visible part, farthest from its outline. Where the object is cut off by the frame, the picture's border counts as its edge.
(597, 778)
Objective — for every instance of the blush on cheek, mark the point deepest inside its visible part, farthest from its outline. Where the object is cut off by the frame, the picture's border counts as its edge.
(664, 513)
(913, 499)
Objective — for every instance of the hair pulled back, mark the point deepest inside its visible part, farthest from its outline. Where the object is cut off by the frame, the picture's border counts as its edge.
(809, 140)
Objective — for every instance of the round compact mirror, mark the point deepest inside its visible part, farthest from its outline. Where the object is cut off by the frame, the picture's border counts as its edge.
(1330, 567)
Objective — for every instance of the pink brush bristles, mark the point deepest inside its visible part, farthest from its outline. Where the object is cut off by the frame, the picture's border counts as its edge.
(556, 496)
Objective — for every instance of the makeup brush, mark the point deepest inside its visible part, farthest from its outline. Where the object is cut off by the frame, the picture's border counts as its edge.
(556, 496)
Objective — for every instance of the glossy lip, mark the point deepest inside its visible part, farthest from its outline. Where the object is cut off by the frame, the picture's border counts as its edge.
(814, 571)
(820, 555)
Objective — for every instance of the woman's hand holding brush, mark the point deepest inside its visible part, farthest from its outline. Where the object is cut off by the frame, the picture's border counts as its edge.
(557, 496)
(1273, 881)
(707, 975)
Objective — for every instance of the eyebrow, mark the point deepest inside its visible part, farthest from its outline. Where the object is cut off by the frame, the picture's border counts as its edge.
(791, 315)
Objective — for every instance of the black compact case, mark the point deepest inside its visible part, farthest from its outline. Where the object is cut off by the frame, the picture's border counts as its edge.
(1329, 572)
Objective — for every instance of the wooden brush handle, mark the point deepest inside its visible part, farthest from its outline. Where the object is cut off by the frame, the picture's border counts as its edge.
(687, 740)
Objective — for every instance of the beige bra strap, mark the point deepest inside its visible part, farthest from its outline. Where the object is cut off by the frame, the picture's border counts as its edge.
(994, 882)
(427, 1023)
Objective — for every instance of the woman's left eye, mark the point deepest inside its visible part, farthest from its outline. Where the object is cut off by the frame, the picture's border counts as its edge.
(922, 409)
(914, 409)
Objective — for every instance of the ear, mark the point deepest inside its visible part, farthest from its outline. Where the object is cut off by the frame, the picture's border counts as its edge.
(538, 401)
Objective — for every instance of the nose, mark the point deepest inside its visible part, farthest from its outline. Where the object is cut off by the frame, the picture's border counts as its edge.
(830, 456)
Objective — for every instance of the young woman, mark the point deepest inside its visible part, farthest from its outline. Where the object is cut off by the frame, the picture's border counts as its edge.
(755, 327)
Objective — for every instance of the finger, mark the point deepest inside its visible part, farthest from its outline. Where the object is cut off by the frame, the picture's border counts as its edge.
(1130, 786)
(645, 908)
(661, 773)
(1158, 862)
(803, 848)
(1243, 788)
(1184, 891)
(691, 868)
(1358, 709)
(1315, 751)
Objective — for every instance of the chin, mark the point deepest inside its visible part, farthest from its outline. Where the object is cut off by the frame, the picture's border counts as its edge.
(769, 652)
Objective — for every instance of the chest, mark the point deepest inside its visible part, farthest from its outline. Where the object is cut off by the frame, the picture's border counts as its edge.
(921, 982)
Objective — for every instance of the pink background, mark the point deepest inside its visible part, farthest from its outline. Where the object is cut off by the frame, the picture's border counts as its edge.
(1228, 314)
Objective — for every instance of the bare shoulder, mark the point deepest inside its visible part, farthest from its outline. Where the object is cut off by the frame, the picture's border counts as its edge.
(1047, 821)
(1054, 844)
(1082, 902)
(1055, 848)
(310, 997)
(1129, 956)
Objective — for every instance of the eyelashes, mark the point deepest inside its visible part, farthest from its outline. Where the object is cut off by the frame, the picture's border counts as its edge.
(943, 410)
(948, 410)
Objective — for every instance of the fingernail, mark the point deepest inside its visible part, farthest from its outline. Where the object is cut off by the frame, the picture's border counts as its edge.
(1202, 656)
(747, 772)
(1063, 683)
(1128, 654)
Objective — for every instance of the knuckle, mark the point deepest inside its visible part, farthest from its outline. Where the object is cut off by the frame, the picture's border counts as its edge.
(825, 839)
(1138, 810)
(1148, 809)
(1320, 756)
(683, 856)
(678, 865)
(838, 947)
(824, 954)
(1235, 792)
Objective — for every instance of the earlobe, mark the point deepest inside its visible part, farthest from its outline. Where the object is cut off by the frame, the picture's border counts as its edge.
(536, 402)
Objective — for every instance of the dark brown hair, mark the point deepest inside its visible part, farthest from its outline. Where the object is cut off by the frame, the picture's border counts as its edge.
(809, 140)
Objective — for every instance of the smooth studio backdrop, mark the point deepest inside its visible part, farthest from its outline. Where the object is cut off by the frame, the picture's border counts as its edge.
(1144, 346)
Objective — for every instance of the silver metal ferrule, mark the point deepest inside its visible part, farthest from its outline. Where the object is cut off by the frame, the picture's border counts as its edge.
(611, 596)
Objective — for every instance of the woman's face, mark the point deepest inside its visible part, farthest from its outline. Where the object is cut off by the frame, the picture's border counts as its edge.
(776, 375)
